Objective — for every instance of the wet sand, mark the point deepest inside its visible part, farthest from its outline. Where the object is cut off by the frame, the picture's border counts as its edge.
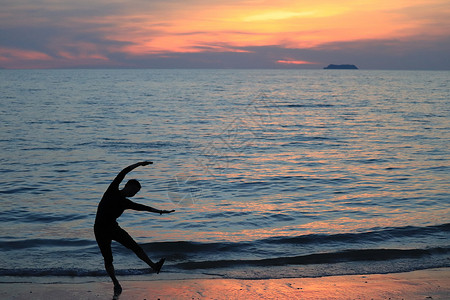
(424, 284)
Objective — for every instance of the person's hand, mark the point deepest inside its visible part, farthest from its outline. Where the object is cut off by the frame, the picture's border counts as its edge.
(166, 211)
(145, 163)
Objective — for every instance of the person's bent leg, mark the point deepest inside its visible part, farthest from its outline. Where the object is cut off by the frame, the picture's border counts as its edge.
(125, 239)
(143, 256)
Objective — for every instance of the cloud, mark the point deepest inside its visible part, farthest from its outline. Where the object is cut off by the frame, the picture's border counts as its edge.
(8, 54)
(417, 53)
(277, 15)
(366, 54)
(200, 33)
(295, 62)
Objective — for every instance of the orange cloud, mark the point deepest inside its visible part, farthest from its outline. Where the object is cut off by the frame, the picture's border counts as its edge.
(8, 54)
(286, 23)
(295, 62)
(140, 28)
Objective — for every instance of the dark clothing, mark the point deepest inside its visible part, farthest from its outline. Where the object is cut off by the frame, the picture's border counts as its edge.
(113, 203)
(106, 228)
(112, 206)
(105, 235)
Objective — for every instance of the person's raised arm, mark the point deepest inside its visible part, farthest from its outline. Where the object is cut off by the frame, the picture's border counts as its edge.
(116, 182)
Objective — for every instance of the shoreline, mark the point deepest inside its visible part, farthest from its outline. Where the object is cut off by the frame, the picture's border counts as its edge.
(422, 284)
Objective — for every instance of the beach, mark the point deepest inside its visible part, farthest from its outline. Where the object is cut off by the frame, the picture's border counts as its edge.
(423, 284)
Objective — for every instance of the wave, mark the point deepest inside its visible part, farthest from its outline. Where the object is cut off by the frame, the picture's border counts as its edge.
(320, 240)
(36, 272)
(306, 105)
(68, 272)
(11, 245)
(431, 258)
(377, 251)
(119, 144)
(18, 215)
(320, 258)
(369, 236)
(358, 238)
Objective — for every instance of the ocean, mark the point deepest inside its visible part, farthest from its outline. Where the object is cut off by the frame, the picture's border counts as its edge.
(272, 173)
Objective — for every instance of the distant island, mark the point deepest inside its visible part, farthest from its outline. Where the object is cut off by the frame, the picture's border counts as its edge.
(341, 67)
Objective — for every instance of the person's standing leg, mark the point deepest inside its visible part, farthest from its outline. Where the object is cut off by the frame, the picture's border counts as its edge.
(104, 244)
(109, 267)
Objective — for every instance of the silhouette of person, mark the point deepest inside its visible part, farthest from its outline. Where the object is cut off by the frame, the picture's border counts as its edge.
(106, 228)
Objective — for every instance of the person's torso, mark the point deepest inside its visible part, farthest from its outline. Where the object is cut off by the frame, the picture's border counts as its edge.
(112, 205)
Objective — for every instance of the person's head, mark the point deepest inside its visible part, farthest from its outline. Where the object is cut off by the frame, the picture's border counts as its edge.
(131, 188)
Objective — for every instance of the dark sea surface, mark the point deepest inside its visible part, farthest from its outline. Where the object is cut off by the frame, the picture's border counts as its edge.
(272, 173)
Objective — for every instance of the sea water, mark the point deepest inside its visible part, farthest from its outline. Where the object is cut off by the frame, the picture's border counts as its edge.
(272, 173)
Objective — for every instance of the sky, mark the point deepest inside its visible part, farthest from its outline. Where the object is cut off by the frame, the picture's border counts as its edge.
(309, 34)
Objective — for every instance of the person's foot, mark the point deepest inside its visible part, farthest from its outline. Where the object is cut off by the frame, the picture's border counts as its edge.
(159, 265)
(117, 290)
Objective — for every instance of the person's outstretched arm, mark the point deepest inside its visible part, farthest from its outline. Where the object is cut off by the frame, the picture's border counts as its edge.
(142, 207)
(116, 182)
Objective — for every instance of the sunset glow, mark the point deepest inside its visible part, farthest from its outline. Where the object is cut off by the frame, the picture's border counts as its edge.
(294, 62)
(67, 34)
